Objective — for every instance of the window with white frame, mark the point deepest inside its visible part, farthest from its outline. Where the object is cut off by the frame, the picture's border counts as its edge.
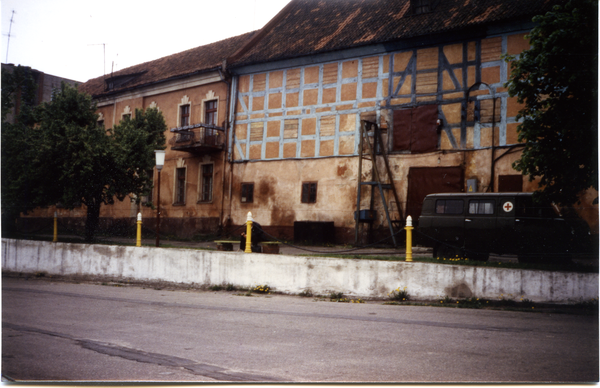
(184, 112)
(210, 112)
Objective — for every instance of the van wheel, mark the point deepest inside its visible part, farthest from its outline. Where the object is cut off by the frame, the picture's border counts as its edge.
(478, 256)
(530, 259)
(444, 252)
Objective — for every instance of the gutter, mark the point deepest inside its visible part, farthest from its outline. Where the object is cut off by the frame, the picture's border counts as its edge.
(119, 91)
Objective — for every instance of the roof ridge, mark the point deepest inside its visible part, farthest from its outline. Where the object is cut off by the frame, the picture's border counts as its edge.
(262, 32)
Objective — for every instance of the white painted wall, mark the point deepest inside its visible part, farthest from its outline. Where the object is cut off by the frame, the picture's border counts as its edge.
(294, 274)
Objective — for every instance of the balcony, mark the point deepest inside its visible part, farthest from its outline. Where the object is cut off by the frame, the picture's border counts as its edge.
(198, 139)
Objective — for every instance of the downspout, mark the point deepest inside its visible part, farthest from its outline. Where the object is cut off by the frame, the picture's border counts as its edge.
(231, 164)
(493, 148)
(493, 164)
(227, 127)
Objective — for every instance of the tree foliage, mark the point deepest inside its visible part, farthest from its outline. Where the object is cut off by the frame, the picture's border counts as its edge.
(75, 161)
(556, 81)
(17, 150)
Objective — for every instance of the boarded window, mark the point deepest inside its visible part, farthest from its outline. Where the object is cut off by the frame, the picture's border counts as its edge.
(290, 129)
(489, 110)
(256, 131)
(415, 129)
(510, 183)
(309, 192)
(247, 193)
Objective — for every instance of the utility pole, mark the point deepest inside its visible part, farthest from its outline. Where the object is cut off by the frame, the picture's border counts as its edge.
(9, 30)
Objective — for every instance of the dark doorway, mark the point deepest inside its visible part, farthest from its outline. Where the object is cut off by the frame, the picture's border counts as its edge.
(430, 180)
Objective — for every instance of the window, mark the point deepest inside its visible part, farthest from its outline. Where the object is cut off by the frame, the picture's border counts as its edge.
(247, 192)
(481, 206)
(416, 129)
(510, 183)
(184, 115)
(309, 192)
(126, 116)
(210, 112)
(206, 182)
(100, 123)
(180, 186)
(449, 206)
(421, 6)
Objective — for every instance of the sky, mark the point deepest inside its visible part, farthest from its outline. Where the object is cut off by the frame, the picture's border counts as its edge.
(80, 40)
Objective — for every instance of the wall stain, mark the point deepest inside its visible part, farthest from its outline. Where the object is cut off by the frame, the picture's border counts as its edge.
(460, 290)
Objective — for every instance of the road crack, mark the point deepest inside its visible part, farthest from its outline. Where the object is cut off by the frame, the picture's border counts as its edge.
(196, 368)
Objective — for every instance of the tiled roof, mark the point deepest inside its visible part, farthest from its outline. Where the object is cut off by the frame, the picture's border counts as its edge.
(308, 27)
(196, 60)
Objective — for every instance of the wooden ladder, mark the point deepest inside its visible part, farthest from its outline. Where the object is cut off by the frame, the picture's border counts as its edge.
(387, 184)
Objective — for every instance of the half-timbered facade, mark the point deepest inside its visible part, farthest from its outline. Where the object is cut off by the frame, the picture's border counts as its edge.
(431, 80)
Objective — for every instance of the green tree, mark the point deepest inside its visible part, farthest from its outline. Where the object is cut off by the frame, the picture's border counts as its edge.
(18, 86)
(74, 160)
(93, 165)
(556, 80)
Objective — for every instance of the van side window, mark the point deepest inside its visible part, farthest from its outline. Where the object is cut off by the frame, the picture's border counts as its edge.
(478, 206)
(449, 206)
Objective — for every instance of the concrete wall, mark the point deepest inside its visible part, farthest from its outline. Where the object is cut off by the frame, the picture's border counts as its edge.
(294, 274)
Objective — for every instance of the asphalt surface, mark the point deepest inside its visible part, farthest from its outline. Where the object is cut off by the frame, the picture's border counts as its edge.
(56, 331)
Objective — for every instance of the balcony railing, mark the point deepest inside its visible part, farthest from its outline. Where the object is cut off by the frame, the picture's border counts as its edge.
(198, 138)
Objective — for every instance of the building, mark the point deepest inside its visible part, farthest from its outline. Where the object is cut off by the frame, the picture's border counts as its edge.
(46, 85)
(192, 92)
(430, 75)
(271, 122)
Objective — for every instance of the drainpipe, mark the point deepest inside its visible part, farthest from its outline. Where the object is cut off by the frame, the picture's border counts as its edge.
(493, 148)
(493, 164)
(227, 127)
(231, 164)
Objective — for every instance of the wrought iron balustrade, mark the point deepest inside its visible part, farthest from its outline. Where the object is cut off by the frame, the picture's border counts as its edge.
(198, 138)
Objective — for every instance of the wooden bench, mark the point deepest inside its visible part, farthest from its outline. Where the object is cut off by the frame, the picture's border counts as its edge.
(271, 247)
(226, 245)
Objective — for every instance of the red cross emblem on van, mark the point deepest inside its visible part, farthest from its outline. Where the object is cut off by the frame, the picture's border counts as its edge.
(508, 206)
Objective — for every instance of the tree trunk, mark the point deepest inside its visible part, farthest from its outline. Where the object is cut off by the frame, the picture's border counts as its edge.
(92, 220)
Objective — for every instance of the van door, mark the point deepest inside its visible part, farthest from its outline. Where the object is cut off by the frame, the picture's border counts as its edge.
(540, 229)
(446, 225)
(480, 227)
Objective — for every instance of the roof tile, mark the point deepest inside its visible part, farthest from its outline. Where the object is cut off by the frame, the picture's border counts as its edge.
(196, 60)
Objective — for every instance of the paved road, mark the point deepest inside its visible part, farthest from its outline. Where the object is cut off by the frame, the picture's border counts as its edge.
(84, 332)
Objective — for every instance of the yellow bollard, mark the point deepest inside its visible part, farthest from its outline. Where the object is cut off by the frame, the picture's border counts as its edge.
(138, 240)
(55, 239)
(409, 229)
(248, 233)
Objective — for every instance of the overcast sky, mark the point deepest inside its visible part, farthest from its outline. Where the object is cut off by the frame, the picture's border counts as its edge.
(65, 37)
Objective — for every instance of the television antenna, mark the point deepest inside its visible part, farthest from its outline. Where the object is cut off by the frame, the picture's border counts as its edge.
(9, 30)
